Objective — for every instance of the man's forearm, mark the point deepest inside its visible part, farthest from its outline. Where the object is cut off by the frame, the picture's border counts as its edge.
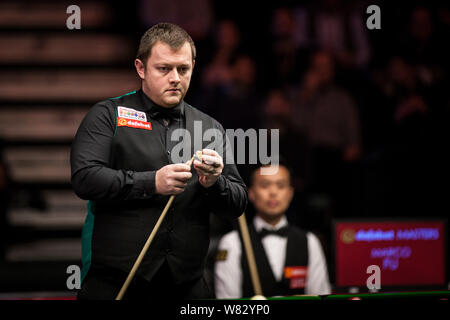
(102, 183)
(227, 197)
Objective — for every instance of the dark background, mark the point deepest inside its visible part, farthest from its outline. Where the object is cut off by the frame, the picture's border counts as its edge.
(377, 149)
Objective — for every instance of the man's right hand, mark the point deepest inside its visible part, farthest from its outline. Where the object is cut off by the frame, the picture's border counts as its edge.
(172, 179)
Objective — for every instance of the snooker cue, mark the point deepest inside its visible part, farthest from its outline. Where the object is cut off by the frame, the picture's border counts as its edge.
(250, 256)
(147, 244)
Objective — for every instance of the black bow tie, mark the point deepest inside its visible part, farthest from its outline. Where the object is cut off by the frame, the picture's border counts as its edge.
(165, 113)
(282, 232)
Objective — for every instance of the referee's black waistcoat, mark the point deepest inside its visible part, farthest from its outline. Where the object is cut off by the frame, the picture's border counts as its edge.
(296, 260)
(122, 224)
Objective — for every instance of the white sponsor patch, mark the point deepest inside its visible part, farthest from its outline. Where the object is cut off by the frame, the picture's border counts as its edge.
(132, 114)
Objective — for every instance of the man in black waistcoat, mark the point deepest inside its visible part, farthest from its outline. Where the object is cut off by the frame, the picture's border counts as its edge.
(129, 156)
(289, 260)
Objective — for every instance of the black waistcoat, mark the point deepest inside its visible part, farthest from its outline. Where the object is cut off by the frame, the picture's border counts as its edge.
(296, 256)
(121, 227)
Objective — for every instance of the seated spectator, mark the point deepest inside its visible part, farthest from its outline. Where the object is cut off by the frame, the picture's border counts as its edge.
(325, 112)
(236, 101)
(283, 51)
(423, 46)
(327, 116)
(279, 247)
(277, 114)
(196, 16)
(339, 27)
(226, 45)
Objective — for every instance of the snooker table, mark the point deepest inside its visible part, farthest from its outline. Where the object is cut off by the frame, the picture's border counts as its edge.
(393, 295)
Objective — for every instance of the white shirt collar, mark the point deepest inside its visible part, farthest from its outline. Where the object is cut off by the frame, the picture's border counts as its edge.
(259, 223)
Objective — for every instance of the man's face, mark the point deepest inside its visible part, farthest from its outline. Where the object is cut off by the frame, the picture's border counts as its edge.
(271, 194)
(167, 74)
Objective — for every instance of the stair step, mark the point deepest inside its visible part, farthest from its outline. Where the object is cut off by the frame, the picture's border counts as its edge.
(39, 164)
(54, 49)
(45, 250)
(66, 85)
(68, 219)
(45, 123)
(64, 210)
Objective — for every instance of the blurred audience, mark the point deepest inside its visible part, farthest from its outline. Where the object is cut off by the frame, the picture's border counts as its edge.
(339, 27)
(277, 114)
(327, 116)
(233, 96)
(422, 47)
(195, 16)
(408, 147)
(226, 45)
(286, 58)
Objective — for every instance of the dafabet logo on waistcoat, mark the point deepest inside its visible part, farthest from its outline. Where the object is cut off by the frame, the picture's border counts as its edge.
(122, 122)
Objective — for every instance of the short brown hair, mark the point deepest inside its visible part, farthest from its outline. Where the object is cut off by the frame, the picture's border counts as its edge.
(168, 33)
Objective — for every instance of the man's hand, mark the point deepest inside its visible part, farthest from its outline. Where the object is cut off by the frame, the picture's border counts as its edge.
(172, 179)
(210, 168)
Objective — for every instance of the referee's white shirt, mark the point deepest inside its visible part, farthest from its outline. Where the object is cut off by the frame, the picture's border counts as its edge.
(228, 273)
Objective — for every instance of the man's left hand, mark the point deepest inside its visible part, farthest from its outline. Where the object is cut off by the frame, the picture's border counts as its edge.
(210, 168)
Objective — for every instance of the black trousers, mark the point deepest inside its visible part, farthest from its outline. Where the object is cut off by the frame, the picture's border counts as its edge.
(104, 283)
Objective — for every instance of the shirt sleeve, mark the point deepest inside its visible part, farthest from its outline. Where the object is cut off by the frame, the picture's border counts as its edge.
(91, 176)
(317, 281)
(228, 196)
(227, 272)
